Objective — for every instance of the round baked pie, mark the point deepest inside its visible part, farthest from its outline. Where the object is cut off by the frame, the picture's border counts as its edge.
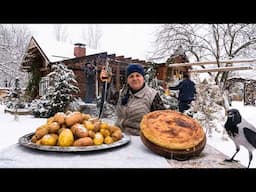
(172, 134)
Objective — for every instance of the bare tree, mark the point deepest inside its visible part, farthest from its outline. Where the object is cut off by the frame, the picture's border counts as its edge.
(13, 42)
(238, 40)
(84, 33)
(207, 41)
(60, 32)
(94, 36)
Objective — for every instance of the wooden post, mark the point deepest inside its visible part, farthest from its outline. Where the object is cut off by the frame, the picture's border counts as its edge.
(211, 62)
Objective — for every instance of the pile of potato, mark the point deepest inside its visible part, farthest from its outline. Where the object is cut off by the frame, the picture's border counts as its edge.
(75, 129)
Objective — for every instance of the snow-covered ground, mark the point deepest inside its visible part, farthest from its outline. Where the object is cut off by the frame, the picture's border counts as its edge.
(11, 130)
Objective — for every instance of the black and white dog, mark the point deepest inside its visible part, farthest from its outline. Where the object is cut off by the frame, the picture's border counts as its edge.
(241, 132)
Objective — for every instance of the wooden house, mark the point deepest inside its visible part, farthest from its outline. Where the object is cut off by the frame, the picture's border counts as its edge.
(40, 55)
(168, 74)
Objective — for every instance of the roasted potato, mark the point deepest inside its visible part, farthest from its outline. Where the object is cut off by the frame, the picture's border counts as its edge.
(105, 132)
(93, 120)
(96, 126)
(98, 138)
(73, 118)
(85, 141)
(53, 127)
(50, 120)
(108, 140)
(60, 130)
(91, 134)
(79, 130)
(34, 139)
(117, 135)
(38, 142)
(49, 139)
(86, 116)
(59, 118)
(40, 132)
(89, 125)
(66, 138)
(113, 128)
(104, 125)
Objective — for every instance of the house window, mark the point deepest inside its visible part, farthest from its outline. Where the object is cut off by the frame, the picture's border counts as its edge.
(43, 85)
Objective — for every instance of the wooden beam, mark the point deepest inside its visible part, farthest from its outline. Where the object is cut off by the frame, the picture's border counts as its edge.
(135, 60)
(220, 69)
(211, 62)
(120, 57)
(26, 67)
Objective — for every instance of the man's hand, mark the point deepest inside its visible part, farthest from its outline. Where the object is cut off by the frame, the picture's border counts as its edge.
(104, 75)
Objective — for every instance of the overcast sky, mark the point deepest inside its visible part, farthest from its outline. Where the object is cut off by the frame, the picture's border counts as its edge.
(130, 40)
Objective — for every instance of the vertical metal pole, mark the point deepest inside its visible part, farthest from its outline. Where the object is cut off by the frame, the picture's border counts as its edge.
(105, 91)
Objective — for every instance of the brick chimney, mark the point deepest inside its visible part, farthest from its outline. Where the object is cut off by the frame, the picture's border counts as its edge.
(79, 50)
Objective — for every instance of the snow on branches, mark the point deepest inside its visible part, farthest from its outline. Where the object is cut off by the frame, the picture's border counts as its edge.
(209, 106)
(59, 94)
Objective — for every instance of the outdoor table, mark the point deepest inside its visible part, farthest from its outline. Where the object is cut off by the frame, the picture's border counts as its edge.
(132, 155)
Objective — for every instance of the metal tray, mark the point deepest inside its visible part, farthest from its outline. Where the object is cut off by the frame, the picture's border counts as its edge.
(26, 142)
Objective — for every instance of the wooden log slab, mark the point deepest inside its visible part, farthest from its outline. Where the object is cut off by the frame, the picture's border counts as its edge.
(180, 155)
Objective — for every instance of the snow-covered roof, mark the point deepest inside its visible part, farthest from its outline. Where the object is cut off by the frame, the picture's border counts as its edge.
(159, 60)
(58, 51)
(247, 74)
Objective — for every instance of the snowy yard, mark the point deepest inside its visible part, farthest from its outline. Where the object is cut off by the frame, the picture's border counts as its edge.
(12, 130)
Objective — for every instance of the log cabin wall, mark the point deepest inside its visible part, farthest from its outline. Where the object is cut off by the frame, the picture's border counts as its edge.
(118, 65)
(249, 89)
(164, 73)
(161, 72)
(250, 92)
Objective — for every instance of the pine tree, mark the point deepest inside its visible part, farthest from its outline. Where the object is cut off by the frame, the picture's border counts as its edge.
(59, 94)
(14, 96)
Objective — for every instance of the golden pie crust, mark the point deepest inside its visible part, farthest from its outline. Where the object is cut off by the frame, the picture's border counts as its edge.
(172, 130)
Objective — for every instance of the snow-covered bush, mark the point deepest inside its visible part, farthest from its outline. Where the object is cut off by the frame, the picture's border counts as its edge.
(76, 104)
(209, 106)
(40, 107)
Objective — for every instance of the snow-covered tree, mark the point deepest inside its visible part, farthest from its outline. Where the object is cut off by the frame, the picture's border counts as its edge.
(59, 94)
(14, 98)
(13, 41)
(92, 36)
(60, 32)
(209, 106)
(208, 42)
